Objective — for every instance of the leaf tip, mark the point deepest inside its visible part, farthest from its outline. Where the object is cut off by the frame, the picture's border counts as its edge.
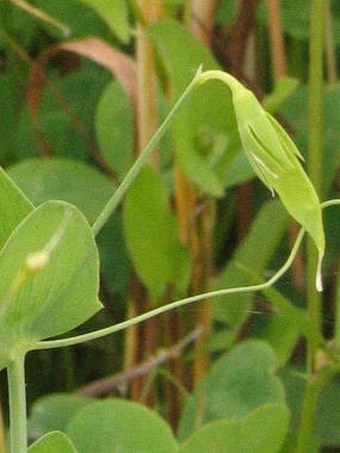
(318, 281)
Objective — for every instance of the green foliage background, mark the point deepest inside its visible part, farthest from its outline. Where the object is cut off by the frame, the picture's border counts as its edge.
(73, 140)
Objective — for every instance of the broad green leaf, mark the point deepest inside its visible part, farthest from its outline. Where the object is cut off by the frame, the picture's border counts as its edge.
(115, 264)
(116, 14)
(262, 431)
(204, 134)
(327, 423)
(255, 252)
(82, 20)
(53, 442)
(285, 325)
(10, 102)
(152, 236)
(327, 419)
(295, 110)
(275, 159)
(283, 89)
(238, 383)
(50, 280)
(14, 206)
(54, 412)
(283, 329)
(118, 425)
(63, 179)
(114, 128)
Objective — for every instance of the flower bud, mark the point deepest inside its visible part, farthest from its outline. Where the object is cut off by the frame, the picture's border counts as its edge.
(275, 159)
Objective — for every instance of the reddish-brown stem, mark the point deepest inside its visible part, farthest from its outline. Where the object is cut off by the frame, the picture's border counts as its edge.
(196, 224)
(120, 381)
(330, 47)
(277, 39)
(142, 341)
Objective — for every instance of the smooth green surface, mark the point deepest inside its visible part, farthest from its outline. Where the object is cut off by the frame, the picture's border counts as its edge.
(17, 402)
(284, 88)
(115, 13)
(115, 265)
(237, 384)
(152, 236)
(63, 179)
(262, 431)
(283, 328)
(50, 278)
(54, 412)
(54, 442)
(81, 19)
(205, 137)
(295, 110)
(114, 128)
(14, 206)
(118, 425)
(327, 415)
(8, 115)
(267, 229)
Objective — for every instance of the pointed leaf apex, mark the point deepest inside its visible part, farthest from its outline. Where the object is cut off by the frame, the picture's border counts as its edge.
(318, 281)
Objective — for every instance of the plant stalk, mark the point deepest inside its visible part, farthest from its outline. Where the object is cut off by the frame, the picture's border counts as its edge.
(2, 432)
(337, 311)
(314, 167)
(314, 163)
(141, 160)
(51, 344)
(48, 344)
(17, 405)
(197, 224)
(141, 341)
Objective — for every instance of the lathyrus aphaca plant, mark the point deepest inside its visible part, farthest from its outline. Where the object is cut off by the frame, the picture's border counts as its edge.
(49, 261)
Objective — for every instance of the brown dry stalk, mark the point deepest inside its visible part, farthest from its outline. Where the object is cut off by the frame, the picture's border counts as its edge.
(121, 381)
(330, 46)
(276, 39)
(241, 32)
(202, 19)
(142, 341)
(197, 224)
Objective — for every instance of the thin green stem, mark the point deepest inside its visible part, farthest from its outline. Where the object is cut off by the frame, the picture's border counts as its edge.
(179, 303)
(316, 89)
(17, 404)
(329, 203)
(314, 166)
(337, 312)
(314, 163)
(313, 389)
(143, 157)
